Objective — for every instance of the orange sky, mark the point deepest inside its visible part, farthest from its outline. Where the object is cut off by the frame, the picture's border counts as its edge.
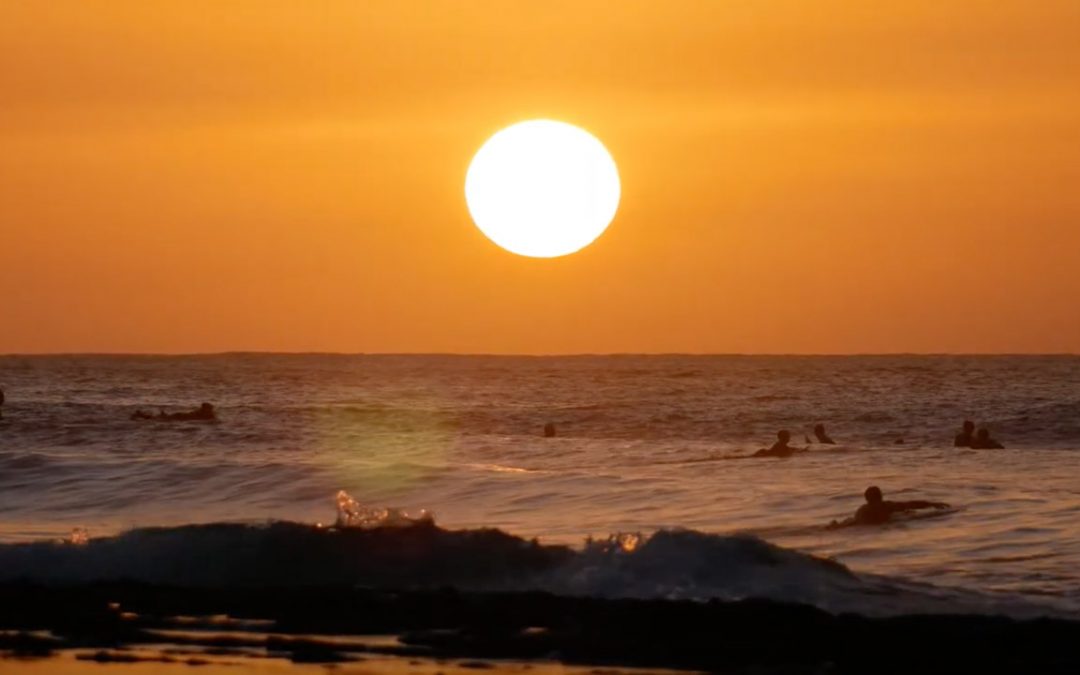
(828, 176)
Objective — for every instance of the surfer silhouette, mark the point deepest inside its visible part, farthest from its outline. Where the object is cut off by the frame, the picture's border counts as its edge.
(983, 441)
(965, 437)
(821, 436)
(877, 511)
(204, 412)
(780, 448)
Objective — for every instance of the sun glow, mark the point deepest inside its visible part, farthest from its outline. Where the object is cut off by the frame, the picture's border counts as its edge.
(542, 188)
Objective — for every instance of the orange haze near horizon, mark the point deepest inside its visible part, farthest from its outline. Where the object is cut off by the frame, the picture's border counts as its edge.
(798, 177)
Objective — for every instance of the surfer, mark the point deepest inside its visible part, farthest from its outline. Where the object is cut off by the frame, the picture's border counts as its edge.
(204, 412)
(877, 511)
(780, 448)
(821, 436)
(965, 437)
(984, 442)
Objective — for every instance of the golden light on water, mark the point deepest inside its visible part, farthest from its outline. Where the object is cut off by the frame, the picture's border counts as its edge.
(388, 450)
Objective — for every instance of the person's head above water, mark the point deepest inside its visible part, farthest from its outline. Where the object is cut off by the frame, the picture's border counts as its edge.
(969, 426)
(873, 495)
(784, 435)
(206, 407)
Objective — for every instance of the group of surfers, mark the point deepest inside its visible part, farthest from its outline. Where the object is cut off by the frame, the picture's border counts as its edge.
(980, 440)
(967, 438)
(877, 510)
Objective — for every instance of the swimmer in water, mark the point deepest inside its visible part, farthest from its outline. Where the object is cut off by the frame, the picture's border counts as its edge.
(821, 436)
(203, 412)
(965, 437)
(984, 442)
(780, 448)
(877, 511)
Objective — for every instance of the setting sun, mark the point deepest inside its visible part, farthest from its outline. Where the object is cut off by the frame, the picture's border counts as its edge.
(542, 188)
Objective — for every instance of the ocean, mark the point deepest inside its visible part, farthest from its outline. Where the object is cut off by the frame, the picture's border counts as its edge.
(649, 461)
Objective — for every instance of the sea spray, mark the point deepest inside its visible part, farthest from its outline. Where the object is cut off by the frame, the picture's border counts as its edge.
(351, 513)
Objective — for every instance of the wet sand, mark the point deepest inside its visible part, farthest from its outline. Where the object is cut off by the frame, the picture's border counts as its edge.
(88, 663)
(138, 628)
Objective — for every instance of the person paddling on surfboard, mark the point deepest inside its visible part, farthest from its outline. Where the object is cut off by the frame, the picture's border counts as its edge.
(877, 511)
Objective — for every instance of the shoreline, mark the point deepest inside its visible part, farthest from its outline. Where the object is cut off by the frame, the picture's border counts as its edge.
(105, 622)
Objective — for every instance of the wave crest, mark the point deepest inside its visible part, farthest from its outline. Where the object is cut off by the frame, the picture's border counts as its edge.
(351, 513)
(670, 564)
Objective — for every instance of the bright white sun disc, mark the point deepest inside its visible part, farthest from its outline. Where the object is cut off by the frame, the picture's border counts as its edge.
(542, 188)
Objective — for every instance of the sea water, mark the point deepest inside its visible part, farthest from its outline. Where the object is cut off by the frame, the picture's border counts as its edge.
(643, 444)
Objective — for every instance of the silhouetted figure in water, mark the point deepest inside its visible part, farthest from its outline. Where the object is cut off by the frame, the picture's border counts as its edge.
(821, 436)
(780, 448)
(877, 511)
(984, 442)
(549, 430)
(965, 437)
(204, 413)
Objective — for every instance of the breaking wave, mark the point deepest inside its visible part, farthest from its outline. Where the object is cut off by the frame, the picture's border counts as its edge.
(384, 548)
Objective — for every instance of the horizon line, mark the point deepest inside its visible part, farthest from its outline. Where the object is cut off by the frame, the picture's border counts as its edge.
(247, 352)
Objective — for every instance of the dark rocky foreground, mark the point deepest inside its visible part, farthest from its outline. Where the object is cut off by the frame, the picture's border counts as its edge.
(734, 637)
